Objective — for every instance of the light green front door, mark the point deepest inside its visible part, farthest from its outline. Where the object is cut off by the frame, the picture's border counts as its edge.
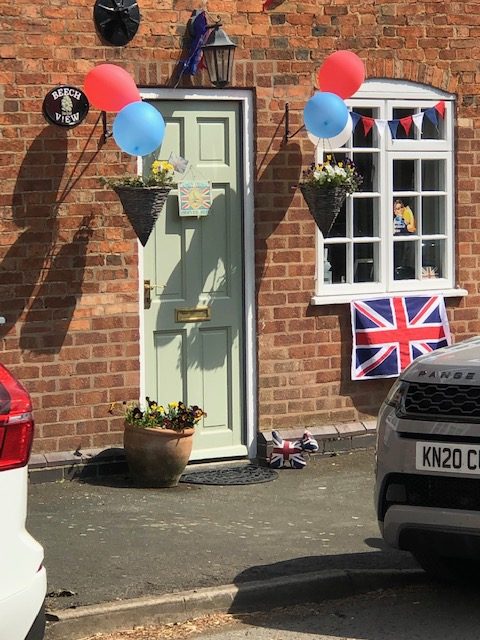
(194, 335)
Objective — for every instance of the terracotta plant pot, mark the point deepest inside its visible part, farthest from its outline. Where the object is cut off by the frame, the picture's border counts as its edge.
(157, 457)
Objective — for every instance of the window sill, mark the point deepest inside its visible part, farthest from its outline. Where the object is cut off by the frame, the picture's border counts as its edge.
(345, 298)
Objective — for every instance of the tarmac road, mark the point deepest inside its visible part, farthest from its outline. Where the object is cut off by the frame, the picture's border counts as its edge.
(111, 541)
(422, 612)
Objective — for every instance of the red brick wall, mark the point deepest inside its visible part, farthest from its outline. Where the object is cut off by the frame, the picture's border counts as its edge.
(68, 263)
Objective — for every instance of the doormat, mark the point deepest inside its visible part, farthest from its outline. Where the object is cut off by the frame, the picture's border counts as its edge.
(249, 474)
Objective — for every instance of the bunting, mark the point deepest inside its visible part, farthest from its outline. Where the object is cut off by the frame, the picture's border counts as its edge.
(433, 114)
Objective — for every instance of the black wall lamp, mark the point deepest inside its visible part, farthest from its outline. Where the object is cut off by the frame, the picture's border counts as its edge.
(219, 52)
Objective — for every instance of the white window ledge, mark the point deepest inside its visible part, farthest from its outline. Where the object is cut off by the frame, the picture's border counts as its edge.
(345, 298)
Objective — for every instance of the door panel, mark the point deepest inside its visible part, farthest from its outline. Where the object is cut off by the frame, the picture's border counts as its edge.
(198, 262)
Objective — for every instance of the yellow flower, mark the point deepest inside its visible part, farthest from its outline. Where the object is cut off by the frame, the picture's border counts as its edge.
(173, 405)
(340, 164)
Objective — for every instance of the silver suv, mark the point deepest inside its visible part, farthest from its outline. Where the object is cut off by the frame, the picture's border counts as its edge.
(427, 491)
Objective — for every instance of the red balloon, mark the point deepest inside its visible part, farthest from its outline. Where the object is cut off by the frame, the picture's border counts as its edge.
(110, 88)
(341, 73)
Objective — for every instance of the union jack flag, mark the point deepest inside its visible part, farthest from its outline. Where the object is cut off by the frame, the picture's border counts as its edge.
(286, 451)
(389, 333)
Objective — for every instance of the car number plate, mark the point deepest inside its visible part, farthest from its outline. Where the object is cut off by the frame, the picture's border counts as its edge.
(448, 458)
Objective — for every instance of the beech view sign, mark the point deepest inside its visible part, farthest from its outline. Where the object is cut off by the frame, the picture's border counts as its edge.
(65, 106)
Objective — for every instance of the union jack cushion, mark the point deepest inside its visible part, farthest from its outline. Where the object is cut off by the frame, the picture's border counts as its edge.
(308, 443)
(286, 451)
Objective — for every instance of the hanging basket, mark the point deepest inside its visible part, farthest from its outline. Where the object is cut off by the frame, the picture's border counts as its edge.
(142, 206)
(324, 204)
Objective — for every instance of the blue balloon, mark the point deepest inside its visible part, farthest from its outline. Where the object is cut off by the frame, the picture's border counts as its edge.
(325, 115)
(138, 128)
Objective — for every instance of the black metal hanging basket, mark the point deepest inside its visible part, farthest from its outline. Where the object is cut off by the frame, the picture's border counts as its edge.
(142, 206)
(324, 204)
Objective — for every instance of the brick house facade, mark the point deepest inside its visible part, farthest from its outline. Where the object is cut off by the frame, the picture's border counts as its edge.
(69, 273)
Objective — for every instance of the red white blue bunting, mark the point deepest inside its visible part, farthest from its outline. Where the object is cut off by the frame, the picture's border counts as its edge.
(433, 114)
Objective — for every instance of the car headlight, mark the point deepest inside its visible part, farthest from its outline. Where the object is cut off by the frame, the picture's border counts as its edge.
(397, 393)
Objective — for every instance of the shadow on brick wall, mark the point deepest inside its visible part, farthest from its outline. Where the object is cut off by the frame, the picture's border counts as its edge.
(57, 295)
(40, 274)
(275, 190)
(365, 396)
(34, 209)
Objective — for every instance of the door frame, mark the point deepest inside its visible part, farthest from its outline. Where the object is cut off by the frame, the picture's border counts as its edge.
(245, 99)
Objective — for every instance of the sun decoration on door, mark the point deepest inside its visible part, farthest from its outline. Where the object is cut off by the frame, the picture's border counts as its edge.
(195, 198)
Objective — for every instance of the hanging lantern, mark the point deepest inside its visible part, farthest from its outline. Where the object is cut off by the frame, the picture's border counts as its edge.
(218, 52)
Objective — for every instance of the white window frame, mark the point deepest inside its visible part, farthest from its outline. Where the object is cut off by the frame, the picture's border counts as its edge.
(395, 94)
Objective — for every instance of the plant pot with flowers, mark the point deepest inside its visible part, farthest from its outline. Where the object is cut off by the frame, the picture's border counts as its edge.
(158, 441)
(143, 197)
(325, 187)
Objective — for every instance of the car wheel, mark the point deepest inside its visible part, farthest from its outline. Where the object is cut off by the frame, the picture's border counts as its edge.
(445, 569)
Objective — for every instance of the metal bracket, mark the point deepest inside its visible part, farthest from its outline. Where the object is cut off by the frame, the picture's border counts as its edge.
(287, 135)
(107, 133)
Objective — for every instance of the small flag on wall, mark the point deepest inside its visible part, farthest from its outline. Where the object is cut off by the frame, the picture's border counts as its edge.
(389, 333)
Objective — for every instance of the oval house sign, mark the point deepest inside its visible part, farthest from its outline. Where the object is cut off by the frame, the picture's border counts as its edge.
(65, 106)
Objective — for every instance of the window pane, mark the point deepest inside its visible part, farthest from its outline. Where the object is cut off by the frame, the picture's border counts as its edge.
(433, 252)
(404, 260)
(327, 267)
(365, 217)
(404, 175)
(339, 228)
(433, 175)
(431, 131)
(359, 137)
(337, 257)
(365, 163)
(404, 220)
(433, 214)
(364, 262)
(398, 114)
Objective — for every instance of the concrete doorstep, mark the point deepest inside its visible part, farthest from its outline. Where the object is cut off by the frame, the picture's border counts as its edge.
(81, 622)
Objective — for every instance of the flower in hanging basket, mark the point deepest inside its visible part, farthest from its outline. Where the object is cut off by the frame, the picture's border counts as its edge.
(143, 197)
(333, 174)
(176, 416)
(161, 174)
(325, 187)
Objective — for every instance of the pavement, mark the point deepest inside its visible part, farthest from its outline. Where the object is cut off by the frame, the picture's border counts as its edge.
(118, 555)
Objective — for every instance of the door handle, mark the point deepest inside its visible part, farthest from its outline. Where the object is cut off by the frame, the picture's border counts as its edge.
(147, 292)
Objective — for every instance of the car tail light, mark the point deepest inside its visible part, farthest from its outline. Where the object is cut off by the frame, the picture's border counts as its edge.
(16, 422)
